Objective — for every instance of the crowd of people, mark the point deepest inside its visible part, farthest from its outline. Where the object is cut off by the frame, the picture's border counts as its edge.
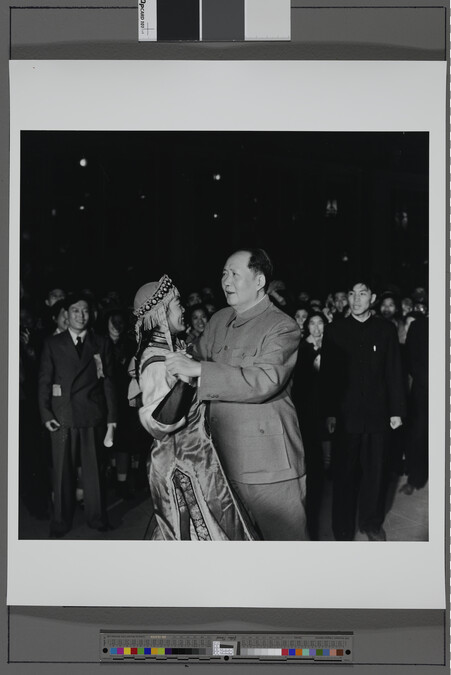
(232, 410)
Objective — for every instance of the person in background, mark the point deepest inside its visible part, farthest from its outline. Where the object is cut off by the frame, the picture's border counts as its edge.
(281, 297)
(417, 421)
(315, 438)
(193, 298)
(247, 354)
(115, 326)
(303, 297)
(59, 316)
(406, 305)
(211, 308)
(34, 488)
(53, 296)
(197, 318)
(209, 300)
(388, 308)
(363, 400)
(340, 305)
(300, 316)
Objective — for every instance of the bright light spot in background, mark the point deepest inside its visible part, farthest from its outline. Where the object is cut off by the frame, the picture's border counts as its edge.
(83, 162)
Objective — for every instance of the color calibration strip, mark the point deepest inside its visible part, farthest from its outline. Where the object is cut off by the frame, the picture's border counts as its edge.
(214, 20)
(118, 645)
(193, 651)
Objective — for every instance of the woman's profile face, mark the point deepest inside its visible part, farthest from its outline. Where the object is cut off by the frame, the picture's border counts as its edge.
(199, 320)
(176, 312)
(316, 326)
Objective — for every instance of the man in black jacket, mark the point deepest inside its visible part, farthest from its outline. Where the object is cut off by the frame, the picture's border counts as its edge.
(77, 401)
(362, 398)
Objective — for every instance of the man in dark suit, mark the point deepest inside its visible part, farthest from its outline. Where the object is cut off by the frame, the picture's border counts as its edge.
(77, 402)
(362, 398)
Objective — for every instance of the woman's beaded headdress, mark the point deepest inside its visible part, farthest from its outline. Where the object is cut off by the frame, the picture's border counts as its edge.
(150, 307)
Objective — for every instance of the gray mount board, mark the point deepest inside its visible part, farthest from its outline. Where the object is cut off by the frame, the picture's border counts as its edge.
(40, 640)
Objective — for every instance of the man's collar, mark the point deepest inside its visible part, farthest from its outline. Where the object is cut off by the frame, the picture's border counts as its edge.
(361, 322)
(251, 313)
(74, 335)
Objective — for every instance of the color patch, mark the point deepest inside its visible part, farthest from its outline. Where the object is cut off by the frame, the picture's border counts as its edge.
(222, 20)
(178, 20)
(267, 20)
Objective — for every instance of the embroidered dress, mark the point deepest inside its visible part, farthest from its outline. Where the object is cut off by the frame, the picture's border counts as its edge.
(191, 495)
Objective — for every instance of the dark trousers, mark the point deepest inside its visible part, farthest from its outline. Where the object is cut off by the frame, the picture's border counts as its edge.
(359, 481)
(72, 447)
(417, 451)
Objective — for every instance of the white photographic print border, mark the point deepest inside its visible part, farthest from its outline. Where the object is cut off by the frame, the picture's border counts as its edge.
(254, 96)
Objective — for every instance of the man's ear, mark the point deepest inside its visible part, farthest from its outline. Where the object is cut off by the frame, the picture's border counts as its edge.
(261, 281)
(373, 298)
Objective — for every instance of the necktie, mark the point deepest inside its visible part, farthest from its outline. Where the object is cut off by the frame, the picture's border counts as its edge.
(79, 346)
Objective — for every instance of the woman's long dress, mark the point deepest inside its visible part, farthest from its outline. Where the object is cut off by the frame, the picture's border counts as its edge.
(191, 495)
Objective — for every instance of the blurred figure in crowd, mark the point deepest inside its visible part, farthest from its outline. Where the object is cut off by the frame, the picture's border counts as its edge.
(314, 434)
(196, 319)
(300, 316)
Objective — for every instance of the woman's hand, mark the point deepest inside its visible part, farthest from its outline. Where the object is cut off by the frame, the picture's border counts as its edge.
(178, 364)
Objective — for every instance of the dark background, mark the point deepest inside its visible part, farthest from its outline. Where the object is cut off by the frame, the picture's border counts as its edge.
(151, 204)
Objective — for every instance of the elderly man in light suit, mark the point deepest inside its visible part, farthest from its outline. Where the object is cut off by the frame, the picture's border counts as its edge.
(246, 358)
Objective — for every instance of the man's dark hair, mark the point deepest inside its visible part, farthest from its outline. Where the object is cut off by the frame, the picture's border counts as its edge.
(75, 296)
(260, 263)
(363, 282)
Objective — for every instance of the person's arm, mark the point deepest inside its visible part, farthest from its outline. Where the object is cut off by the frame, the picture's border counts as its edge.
(328, 377)
(110, 389)
(155, 383)
(269, 373)
(45, 381)
(394, 380)
(109, 383)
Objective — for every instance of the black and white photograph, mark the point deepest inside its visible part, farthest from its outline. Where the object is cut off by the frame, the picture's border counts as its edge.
(263, 258)
(223, 330)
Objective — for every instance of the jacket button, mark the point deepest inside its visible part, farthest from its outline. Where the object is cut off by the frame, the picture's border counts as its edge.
(262, 431)
(225, 348)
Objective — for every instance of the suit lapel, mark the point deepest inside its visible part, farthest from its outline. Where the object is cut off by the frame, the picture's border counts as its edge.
(69, 348)
(89, 349)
